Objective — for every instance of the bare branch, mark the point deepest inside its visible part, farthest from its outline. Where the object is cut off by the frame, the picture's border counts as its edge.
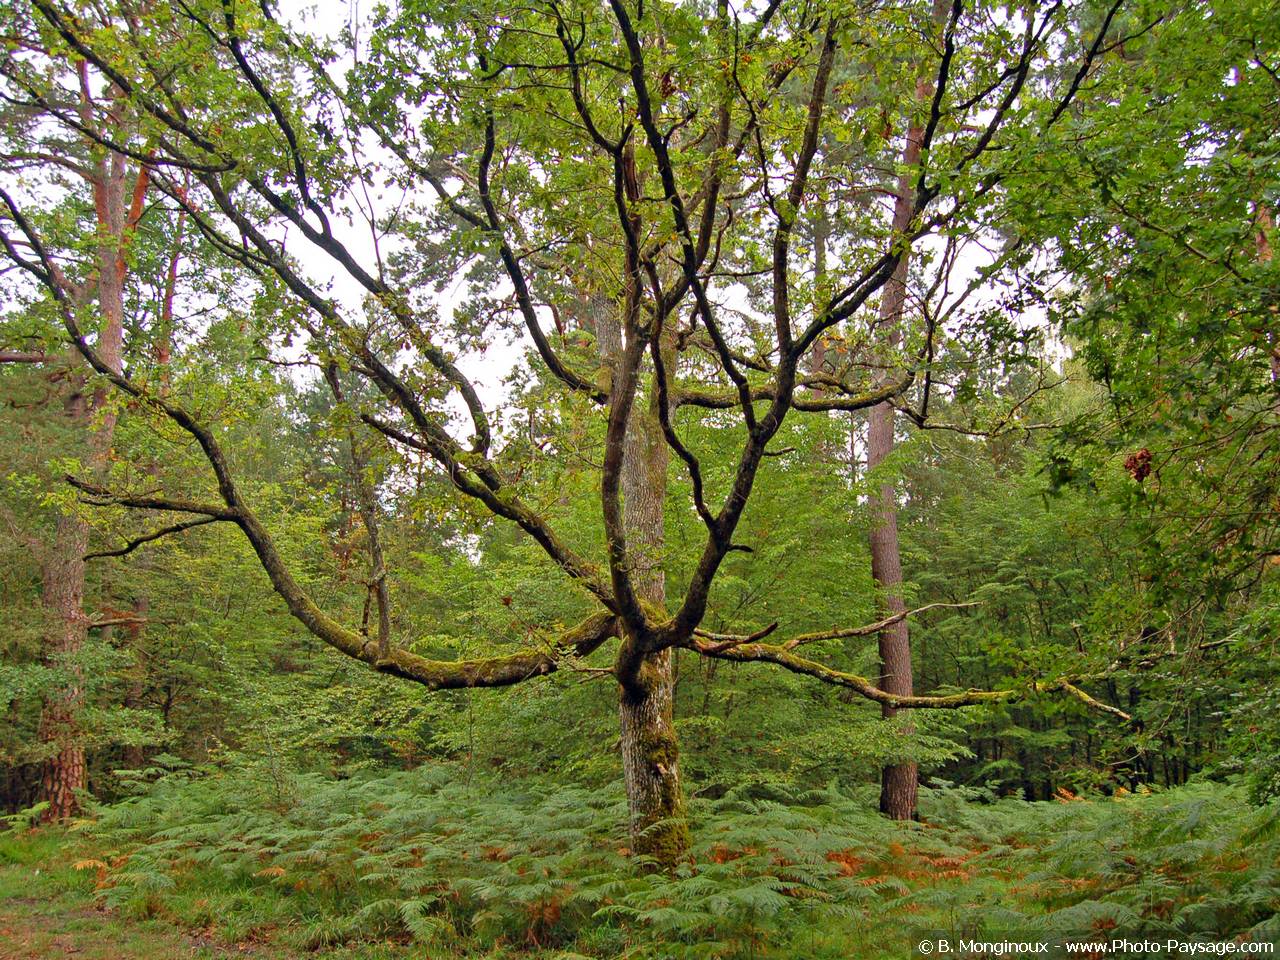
(502, 671)
(723, 641)
(134, 544)
(870, 629)
(99, 496)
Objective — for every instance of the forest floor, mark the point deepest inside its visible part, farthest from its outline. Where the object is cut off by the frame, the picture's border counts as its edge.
(33, 928)
(47, 911)
(830, 881)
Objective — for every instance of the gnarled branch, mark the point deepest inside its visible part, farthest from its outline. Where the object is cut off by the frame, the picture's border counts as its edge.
(782, 657)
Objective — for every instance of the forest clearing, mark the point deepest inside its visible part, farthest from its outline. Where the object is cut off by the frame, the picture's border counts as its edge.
(650, 479)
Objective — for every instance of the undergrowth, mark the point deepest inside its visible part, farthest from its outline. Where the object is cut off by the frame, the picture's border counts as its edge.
(419, 859)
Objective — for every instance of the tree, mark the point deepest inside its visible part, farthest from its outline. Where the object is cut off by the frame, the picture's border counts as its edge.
(898, 782)
(642, 162)
(96, 277)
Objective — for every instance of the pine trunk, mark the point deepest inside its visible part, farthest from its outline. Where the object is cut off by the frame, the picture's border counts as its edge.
(63, 588)
(897, 781)
(63, 772)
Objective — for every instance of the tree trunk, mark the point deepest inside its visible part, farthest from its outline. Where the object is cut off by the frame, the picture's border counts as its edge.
(650, 749)
(63, 585)
(897, 781)
(63, 771)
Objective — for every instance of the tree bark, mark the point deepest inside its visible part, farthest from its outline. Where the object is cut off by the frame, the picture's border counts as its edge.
(63, 587)
(650, 748)
(62, 774)
(898, 782)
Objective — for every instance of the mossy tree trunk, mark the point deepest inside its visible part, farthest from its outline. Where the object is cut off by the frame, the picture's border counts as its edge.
(650, 749)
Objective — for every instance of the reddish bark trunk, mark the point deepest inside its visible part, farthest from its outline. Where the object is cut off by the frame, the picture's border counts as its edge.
(898, 782)
(64, 771)
(62, 774)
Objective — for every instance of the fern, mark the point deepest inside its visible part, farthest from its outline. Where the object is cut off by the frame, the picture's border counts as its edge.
(774, 872)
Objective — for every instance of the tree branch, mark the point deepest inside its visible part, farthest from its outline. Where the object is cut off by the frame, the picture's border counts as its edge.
(20, 356)
(99, 496)
(162, 532)
(869, 629)
(780, 656)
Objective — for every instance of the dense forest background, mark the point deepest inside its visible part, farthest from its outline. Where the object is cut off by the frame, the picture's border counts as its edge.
(648, 433)
(208, 669)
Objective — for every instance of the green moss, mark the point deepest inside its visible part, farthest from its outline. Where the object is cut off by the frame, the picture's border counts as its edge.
(663, 834)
